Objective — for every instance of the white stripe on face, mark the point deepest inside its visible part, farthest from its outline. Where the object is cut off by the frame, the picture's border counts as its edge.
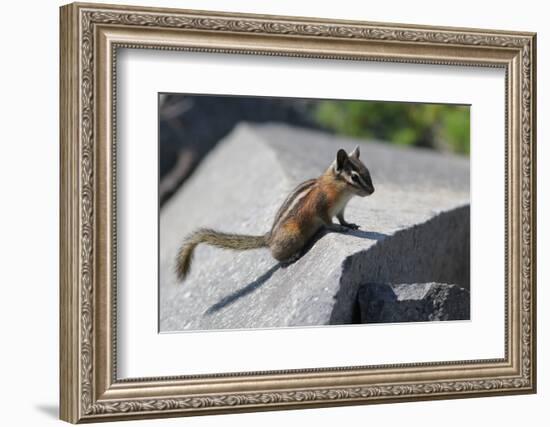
(362, 182)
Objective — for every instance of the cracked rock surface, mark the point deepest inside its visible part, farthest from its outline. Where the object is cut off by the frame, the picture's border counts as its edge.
(414, 235)
(412, 302)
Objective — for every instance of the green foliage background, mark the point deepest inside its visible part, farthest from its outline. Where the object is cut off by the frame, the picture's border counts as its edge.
(440, 126)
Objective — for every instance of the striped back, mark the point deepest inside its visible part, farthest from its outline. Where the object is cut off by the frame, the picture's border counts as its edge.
(292, 201)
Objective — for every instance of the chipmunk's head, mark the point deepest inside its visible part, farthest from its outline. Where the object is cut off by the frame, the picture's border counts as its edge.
(353, 172)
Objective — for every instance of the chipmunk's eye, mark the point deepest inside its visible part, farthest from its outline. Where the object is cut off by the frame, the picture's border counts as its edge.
(355, 178)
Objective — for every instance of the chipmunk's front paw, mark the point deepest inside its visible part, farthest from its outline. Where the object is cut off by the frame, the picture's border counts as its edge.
(351, 226)
(337, 228)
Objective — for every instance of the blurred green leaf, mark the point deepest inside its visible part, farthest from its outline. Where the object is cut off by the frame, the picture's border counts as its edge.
(438, 126)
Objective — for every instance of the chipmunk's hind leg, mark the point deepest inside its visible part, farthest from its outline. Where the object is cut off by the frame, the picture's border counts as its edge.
(286, 248)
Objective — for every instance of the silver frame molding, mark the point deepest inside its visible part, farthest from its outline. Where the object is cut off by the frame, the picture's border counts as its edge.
(90, 37)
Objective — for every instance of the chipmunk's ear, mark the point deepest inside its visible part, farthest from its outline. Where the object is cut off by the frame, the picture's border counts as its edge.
(341, 157)
(355, 153)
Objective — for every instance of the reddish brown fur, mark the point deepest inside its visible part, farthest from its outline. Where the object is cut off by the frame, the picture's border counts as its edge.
(313, 212)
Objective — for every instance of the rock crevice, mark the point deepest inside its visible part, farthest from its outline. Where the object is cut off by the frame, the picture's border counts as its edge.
(436, 251)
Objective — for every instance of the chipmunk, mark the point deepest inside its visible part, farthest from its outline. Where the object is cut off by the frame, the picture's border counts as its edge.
(310, 206)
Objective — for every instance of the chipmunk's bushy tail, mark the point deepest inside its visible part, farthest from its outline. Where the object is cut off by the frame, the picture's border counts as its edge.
(214, 238)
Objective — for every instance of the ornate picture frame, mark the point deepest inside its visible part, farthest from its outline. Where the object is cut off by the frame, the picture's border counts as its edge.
(90, 37)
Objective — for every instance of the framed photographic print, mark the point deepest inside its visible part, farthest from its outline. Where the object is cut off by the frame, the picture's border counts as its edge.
(265, 212)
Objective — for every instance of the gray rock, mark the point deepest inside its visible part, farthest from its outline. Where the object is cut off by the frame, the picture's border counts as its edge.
(414, 229)
(437, 250)
(412, 302)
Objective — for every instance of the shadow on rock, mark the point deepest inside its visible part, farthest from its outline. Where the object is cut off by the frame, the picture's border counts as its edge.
(251, 287)
(256, 284)
(434, 252)
(370, 235)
